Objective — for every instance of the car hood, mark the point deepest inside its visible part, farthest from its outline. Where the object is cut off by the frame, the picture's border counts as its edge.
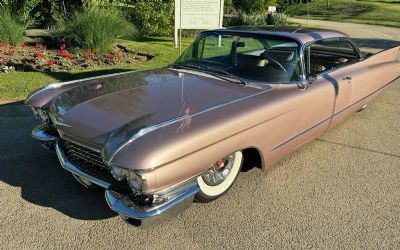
(98, 109)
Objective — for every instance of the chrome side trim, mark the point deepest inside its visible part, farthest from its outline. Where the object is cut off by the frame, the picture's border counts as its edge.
(76, 171)
(152, 128)
(172, 207)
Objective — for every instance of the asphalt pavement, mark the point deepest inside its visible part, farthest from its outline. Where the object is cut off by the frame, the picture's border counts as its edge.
(342, 191)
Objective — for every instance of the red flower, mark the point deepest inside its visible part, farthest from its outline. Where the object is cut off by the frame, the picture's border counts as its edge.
(5, 45)
(1, 50)
(3, 61)
(65, 54)
(9, 52)
(87, 53)
(119, 52)
(23, 45)
(38, 54)
(62, 47)
(50, 62)
(110, 56)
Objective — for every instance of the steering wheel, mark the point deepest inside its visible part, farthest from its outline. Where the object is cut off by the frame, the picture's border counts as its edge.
(277, 64)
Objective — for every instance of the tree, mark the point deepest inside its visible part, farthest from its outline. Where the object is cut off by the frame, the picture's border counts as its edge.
(249, 6)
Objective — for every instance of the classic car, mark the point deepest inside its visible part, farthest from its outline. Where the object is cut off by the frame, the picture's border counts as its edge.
(157, 140)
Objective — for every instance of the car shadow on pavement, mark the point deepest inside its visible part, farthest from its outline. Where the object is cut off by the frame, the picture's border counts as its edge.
(25, 164)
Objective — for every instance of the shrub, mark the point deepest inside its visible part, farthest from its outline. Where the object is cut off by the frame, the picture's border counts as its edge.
(249, 6)
(96, 28)
(12, 30)
(241, 18)
(152, 17)
(280, 19)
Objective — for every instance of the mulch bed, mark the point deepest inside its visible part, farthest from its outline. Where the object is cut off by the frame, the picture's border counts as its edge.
(39, 58)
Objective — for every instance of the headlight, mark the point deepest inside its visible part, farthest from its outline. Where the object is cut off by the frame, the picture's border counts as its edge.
(41, 115)
(136, 182)
(119, 173)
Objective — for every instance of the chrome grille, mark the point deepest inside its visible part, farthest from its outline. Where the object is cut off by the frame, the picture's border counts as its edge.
(87, 160)
(83, 155)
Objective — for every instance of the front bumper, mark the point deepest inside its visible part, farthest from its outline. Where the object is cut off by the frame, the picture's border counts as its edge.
(177, 200)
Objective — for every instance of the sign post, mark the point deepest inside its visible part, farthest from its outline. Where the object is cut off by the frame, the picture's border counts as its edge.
(197, 14)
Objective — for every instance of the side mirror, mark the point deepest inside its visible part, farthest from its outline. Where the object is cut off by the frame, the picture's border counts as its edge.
(306, 83)
(311, 78)
(240, 44)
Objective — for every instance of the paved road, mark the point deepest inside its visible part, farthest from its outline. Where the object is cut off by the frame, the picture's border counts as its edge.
(371, 37)
(341, 191)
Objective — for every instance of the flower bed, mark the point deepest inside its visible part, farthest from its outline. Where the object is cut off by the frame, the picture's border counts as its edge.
(39, 58)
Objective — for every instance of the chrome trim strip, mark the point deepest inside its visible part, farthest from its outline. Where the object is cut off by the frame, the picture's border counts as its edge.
(67, 137)
(152, 128)
(186, 194)
(75, 170)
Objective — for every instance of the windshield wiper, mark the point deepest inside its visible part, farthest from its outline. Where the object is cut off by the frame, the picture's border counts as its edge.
(224, 72)
(213, 72)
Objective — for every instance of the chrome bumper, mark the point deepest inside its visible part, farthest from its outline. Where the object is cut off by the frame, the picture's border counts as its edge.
(44, 133)
(177, 201)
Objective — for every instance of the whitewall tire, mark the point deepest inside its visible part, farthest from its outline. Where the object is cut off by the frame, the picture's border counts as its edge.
(219, 178)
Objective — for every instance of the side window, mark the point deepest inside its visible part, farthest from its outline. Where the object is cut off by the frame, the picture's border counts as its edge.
(215, 46)
(329, 54)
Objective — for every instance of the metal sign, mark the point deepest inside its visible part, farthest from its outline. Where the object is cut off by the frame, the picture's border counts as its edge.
(198, 14)
(271, 9)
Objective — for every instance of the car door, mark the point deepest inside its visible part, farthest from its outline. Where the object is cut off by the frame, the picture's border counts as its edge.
(333, 61)
(371, 74)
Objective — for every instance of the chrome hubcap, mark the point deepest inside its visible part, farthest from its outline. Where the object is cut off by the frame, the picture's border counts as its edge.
(219, 170)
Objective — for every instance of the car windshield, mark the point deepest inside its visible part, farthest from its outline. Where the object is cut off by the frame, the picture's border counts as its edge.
(244, 57)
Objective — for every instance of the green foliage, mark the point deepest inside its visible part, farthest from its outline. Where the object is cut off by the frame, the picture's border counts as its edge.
(241, 18)
(249, 6)
(12, 30)
(339, 8)
(96, 28)
(152, 17)
(283, 4)
(280, 19)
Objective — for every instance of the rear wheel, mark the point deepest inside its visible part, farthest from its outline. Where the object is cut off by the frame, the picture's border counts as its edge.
(219, 177)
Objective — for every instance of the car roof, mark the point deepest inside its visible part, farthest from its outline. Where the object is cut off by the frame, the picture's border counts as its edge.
(302, 35)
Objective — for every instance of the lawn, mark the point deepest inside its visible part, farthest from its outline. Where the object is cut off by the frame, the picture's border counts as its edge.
(377, 12)
(15, 86)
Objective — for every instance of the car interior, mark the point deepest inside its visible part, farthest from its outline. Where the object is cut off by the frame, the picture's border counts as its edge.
(267, 65)
(323, 57)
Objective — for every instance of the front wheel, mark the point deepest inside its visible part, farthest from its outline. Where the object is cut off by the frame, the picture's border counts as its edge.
(219, 177)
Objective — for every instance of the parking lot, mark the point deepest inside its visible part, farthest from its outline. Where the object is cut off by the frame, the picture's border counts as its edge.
(340, 191)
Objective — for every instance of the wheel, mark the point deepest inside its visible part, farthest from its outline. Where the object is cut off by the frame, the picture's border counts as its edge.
(86, 183)
(219, 177)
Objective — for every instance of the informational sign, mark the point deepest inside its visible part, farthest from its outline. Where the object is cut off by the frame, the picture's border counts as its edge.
(198, 14)
(271, 9)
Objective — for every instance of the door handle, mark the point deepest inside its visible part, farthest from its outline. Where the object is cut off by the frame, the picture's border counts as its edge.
(348, 78)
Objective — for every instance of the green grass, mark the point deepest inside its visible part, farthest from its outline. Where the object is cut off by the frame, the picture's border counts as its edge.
(15, 86)
(378, 12)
